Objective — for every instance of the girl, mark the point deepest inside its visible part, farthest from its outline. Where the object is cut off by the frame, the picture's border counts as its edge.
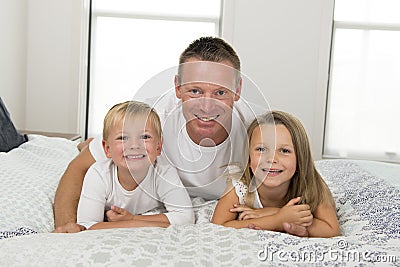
(280, 177)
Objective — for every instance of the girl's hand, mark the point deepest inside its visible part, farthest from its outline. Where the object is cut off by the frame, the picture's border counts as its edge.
(116, 214)
(249, 213)
(297, 214)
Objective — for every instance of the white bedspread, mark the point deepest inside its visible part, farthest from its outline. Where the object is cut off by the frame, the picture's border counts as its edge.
(367, 205)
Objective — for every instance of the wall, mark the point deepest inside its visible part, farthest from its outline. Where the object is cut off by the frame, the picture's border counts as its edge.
(284, 47)
(53, 65)
(13, 58)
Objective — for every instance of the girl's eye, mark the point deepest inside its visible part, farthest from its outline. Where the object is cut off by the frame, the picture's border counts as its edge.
(284, 150)
(145, 136)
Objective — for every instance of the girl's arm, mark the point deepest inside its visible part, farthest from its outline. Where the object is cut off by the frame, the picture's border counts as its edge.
(222, 213)
(298, 214)
(325, 223)
(250, 213)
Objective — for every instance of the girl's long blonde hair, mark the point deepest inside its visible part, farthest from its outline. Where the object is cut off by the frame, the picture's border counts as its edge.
(306, 182)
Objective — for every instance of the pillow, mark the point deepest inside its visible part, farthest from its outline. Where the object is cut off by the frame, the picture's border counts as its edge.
(9, 136)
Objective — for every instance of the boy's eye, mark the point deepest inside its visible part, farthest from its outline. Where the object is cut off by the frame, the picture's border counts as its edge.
(261, 149)
(122, 137)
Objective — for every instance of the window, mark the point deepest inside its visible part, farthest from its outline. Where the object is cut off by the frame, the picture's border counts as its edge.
(132, 41)
(363, 110)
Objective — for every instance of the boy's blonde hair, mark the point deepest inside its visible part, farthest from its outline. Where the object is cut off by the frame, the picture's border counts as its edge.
(129, 110)
(306, 183)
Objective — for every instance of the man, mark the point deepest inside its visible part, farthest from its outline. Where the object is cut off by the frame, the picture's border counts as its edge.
(204, 128)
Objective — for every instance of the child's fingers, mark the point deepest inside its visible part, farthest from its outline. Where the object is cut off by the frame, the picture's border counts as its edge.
(240, 209)
(254, 227)
(293, 201)
(117, 209)
(250, 216)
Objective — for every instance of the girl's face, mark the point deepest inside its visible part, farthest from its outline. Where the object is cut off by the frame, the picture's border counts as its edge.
(273, 163)
(133, 144)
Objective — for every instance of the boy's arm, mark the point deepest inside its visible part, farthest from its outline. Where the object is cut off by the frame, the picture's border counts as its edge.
(69, 188)
(174, 196)
(128, 224)
(116, 214)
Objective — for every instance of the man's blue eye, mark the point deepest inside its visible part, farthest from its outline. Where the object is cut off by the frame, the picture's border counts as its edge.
(220, 93)
(195, 91)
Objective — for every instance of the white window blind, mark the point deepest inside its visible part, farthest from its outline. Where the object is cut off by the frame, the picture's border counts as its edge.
(132, 41)
(363, 111)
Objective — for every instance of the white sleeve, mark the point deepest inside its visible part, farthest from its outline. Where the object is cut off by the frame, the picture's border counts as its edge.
(174, 196)
(93, 198)
(96, 149)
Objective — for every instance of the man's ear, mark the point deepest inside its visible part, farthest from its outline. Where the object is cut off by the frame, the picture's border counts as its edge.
(238, 90)
(159, 146)
(106, 148)
(177, 87)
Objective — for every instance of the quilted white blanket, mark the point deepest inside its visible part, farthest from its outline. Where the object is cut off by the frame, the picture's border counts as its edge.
(367, 196)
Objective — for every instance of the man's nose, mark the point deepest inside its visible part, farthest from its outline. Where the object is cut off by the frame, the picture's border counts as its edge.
(207, 102)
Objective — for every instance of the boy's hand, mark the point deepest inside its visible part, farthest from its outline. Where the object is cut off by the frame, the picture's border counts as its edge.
(116, 214)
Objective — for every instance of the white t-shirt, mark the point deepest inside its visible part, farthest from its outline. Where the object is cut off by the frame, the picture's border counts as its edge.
(161, 187)
(200, 168)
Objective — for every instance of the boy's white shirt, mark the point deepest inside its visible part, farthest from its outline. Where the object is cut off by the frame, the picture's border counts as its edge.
(200, 168)
(160, 188)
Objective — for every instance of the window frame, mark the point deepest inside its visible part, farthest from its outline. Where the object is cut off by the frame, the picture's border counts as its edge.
(353, 25)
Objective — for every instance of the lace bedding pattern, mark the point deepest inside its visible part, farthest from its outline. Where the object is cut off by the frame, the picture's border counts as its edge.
(368, 210)
(369, 214)
(29, 176)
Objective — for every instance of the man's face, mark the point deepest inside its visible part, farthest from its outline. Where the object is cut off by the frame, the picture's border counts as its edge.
(208, 91)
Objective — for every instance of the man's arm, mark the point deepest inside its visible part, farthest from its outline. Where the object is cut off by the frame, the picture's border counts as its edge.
(69, 188)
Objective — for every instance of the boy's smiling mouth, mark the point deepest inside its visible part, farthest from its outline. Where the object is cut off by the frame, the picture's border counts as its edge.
(136, 156)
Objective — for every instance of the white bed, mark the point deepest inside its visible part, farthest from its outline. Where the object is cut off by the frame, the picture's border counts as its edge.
(368, 204)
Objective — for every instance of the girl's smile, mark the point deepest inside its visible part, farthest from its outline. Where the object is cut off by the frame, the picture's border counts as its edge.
(272, 160)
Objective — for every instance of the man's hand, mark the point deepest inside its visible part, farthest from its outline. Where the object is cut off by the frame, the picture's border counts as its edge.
(116, 214)
(84, 144)
(295, 229)
(69, 228)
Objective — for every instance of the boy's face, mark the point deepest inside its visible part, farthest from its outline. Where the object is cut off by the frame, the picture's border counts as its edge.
(134, 144)
(208, 91)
